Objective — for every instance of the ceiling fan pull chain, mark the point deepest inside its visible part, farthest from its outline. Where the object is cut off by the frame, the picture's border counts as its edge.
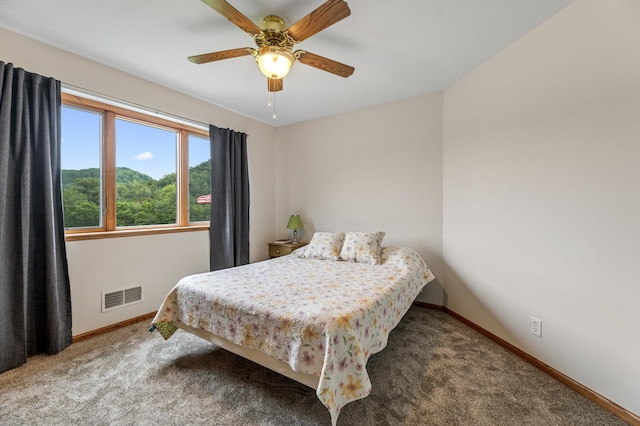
(274, 105)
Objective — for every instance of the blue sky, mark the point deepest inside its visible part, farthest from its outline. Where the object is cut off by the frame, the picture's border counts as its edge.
(146, 149)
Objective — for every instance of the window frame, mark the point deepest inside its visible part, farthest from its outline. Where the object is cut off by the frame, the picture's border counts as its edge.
(108, 172)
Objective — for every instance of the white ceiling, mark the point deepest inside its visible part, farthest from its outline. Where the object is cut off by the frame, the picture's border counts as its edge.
(399, 49)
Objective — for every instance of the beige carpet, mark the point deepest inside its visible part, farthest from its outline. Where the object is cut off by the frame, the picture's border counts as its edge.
(435, 371)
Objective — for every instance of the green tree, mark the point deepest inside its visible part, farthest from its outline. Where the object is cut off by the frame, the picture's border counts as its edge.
(166, 205)
(127, 175)
(165, 180)
(81, 198)
(78, 211)
(140, 199)
(199, 184)
(90, 186)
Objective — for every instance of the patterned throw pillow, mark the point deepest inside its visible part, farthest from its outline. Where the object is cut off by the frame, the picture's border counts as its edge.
(325, 246)
(362, 247)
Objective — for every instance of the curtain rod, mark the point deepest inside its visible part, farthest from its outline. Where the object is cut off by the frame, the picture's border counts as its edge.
(100, 97)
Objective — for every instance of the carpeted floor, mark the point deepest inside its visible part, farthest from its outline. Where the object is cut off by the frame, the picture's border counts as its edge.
(434, 371)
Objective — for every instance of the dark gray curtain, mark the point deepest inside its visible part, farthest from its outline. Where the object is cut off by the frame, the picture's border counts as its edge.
(229, 228)
(35, 298)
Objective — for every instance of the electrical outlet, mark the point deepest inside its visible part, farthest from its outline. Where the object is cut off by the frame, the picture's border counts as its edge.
(535, 326)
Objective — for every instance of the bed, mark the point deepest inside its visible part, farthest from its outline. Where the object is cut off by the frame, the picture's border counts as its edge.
(311, 316)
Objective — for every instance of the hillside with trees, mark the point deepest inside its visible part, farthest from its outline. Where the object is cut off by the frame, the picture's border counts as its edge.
(140, 199)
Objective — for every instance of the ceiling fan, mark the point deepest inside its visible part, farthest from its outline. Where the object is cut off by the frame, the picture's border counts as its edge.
(275, 41)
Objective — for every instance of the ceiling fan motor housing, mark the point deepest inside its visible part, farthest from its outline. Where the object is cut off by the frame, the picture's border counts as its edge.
(274, 33)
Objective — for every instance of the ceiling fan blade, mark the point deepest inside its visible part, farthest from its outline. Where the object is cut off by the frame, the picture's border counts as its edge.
(324, 16)
(324, 64)
(274, 85)
(232, 14)
(223, 54)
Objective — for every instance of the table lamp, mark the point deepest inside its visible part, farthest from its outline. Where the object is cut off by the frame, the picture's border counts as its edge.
(295, 223)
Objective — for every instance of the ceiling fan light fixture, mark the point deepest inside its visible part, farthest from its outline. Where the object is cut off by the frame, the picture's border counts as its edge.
(274, 61)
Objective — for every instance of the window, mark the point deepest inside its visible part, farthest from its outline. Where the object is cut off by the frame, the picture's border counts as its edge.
(199, 178)
(146, 179)
(127, 173)
(81, 167)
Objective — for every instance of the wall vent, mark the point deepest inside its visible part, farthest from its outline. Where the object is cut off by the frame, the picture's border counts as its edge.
(119, 298)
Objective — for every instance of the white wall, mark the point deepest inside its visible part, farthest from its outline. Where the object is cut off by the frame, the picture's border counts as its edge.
(154, 261)
(374, 169)
(542, 195)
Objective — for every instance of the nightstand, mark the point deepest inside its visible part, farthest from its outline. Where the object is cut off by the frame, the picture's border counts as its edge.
(277, 250)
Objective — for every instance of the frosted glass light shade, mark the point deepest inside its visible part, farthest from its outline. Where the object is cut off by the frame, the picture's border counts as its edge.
(275, 62)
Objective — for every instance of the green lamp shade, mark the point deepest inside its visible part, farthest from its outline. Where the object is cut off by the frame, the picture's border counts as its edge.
(295, 222)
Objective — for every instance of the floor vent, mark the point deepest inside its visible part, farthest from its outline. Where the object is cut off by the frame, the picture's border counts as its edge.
(120, 298)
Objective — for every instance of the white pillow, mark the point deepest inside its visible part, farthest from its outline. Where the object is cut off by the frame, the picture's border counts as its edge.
(325, 246)
(362, 247)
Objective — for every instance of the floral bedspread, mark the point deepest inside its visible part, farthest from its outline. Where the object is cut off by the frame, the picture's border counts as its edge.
(322, 317)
